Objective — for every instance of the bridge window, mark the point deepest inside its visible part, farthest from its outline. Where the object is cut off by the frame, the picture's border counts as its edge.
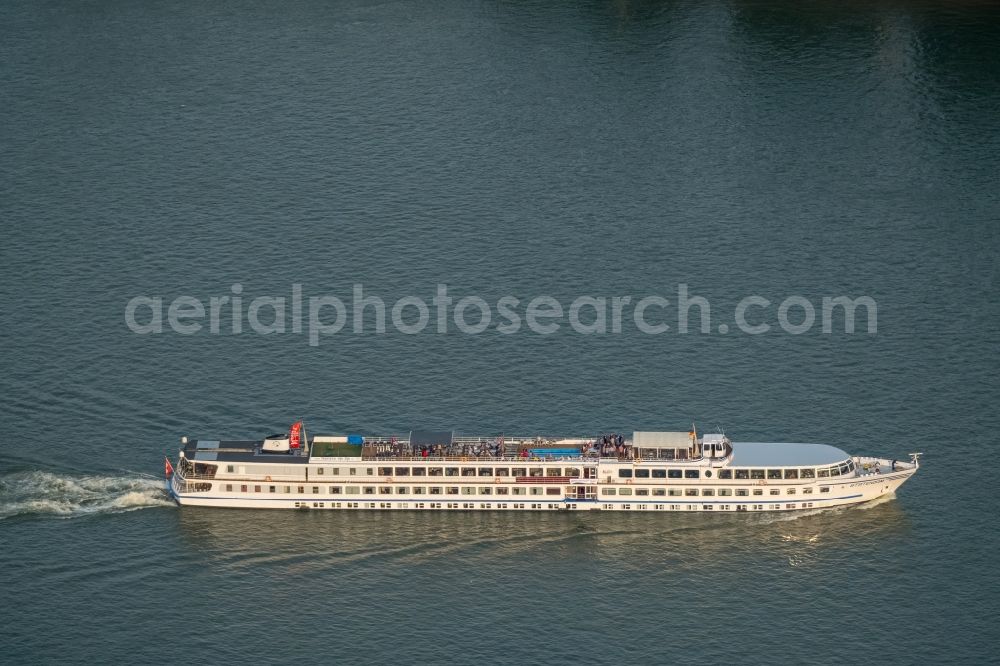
(624, 491)
(674, 474)
(572, 472)
(742, 474)
(519, 471)
(419, 471)
(502, 471)
(485, 471)
(791, 473)
(642, 473)
(451, 471)
(468, 471)
(402, 471)
(774, 473)
(690, 474)
(553, 471)
(609, 491)
(725, 473)
(659, 473)
(624, 473)
(385, 471)
(756, 474)
(536, 471)
(823, 473)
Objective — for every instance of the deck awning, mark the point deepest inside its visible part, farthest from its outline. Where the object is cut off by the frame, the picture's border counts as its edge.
(431, 437)
(661, 440)
(202, 454)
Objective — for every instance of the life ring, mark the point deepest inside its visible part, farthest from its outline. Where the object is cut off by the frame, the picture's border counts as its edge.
(496, 480)
(628, 482)
(267, 478)
(388, 480)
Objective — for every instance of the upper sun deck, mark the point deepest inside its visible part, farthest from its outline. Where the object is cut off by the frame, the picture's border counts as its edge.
(517, 449)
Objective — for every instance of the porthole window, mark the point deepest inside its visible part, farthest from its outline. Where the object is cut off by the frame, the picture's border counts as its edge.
(708, 474)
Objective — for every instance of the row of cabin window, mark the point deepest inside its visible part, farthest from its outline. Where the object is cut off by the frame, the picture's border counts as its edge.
(427, 505)
(525, 490)
(710, 507)
(403, 490)
(739, 474)
(572, 472)
(705, 492)
(641, 507)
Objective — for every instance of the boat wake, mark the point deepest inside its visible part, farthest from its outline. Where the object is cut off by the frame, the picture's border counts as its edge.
(36, 493)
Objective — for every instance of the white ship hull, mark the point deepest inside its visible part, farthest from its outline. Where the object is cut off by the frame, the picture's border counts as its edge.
(732, 477)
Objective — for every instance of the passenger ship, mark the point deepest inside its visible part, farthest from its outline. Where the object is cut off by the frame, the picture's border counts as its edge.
(435, 470)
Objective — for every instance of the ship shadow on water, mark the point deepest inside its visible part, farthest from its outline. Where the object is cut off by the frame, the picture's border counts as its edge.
(286, 542)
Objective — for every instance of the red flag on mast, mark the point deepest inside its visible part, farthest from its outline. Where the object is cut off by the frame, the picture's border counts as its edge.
(168, 469)
(295, 435)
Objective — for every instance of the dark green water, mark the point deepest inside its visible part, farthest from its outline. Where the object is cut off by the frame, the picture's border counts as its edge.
(503, 148)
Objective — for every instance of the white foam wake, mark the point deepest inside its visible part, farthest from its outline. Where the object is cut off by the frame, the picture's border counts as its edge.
(68, 496)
